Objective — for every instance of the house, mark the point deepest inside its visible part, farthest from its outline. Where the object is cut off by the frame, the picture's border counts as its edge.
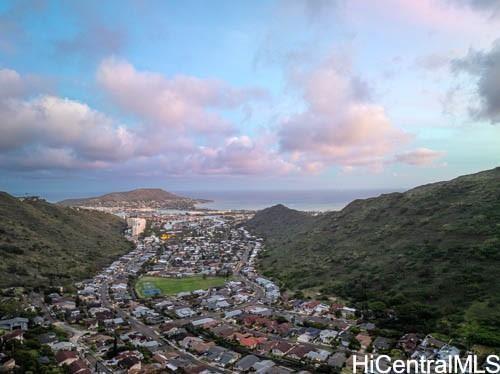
(258, 310)
(337, 360)
(67, 346)
(319, 355)
(327, 336)
(381, 344)
(40, 321)
(17, 335)
(224, 331)
(201, 347)
(100, 340)
(299, 352)
(409, 343)
(447, 351)
(65, 357)
(281, 348)
(432, 342)
(232, 313)
(214, 353)
(141, 311)
(368, 326)
(263, 366)
(8, 366)
(347, 312)
(266, 347)
(79, 367)
(47, 338)
(364, 340)
(246, 363)
(204, 322)
(161, 359)
(14, 324)
(227, 358)
(185, 312)
(251, 342)
(346, 338)
(188, 340)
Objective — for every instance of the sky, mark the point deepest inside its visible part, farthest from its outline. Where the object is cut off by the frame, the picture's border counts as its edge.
(246, 95)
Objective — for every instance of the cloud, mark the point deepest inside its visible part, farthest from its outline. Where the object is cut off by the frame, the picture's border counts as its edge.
(419, 157)
(54, 134)
(490, 6)
(181, 133)
(181, 103)
(54, 131)
(13, 85)
(485, 67)
(242, 155)
(340, 125)
(434, 61)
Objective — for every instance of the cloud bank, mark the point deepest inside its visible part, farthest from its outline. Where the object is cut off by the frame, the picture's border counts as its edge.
(180, 128)
(485, 67)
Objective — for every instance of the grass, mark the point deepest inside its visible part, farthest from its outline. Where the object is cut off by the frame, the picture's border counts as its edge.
(172, 286)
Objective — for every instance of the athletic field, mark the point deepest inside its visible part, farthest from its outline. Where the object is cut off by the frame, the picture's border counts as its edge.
(156, 286)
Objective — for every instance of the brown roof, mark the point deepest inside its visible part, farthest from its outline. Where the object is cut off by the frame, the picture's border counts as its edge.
(14, 334)
(283, 346)
(300, 350)
(63, 355)
(265, 347)
(78, 366)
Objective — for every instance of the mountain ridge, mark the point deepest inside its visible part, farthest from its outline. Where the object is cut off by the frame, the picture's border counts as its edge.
(430, 253)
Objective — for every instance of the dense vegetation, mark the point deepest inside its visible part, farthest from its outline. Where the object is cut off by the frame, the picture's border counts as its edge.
(45, 244)
(431, 254)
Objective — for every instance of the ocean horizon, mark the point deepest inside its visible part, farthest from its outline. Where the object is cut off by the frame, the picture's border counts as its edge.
(306, 200)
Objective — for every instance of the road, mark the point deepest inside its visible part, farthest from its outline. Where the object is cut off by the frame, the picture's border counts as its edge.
(149, 332)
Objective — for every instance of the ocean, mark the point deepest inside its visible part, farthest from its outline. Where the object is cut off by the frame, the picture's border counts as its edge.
(311, 200)
(306, 200)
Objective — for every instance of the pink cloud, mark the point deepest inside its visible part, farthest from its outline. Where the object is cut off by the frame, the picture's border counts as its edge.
(340, 126)
(57, 122)
(242, 155)
(180, 103)
(420, 157)
(51, 133)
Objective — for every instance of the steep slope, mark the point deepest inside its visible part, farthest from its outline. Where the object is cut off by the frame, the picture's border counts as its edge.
(42, 243)
(431, 253)
(151, 197)
(284, 221)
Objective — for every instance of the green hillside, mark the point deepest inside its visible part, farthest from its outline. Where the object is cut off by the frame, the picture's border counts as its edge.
(432, 254)
(44, 244)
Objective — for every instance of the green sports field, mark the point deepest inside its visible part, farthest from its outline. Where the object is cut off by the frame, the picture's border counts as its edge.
(156, 286)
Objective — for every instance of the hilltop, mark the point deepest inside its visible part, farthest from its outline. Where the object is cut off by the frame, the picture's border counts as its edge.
(139, 198)
(431, 254)
(44, 244)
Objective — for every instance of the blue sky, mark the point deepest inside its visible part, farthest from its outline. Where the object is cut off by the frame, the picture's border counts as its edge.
(297, 94)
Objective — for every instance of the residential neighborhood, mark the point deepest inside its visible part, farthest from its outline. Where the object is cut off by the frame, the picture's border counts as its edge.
(189, 299)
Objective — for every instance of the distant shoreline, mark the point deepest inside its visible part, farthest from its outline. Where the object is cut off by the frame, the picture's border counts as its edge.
(306, 200)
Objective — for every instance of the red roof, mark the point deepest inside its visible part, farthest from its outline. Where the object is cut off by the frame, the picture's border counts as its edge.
(251, 342)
